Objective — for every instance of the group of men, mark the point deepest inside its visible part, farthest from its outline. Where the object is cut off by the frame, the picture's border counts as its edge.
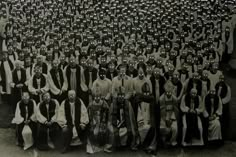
(116, 73)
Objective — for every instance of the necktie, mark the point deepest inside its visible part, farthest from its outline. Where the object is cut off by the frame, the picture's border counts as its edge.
(26, 113)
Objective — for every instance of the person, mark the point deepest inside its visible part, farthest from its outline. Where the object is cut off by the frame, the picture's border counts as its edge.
(90, 75)
(111, 72)
(47, 113)
(169, 116)
(131, 71)
(223, 90)
(192, 107)
(38, 84)
(104, 84)
(138, 83)
(158, 82)
(56, 80)
(6, 68)
(147, 119)
(214, 74)
(18, 83)
(123, 120)
(73, 119)
(99, 115)
(25, 119)
(193, 82)
(74, 77)
(213, 113)
(178, 89)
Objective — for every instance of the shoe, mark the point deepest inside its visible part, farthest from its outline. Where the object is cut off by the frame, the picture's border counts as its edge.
(107, 150)
(64, 150)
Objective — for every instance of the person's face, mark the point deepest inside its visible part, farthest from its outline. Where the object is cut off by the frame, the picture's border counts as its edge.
(222, 78)
(102, 75)
(168, 94)
(38, 71)
(72, 62)
(149, 70)
(49, 56)
(63, 59)
(18, 66)
(121, 97)
(111, 67)
(25, 98)
(55, 64)
(103, 61)
(71, 96)
(175, 78)
(205, 76)
(122, 71)
(46, 97)
(28, 61)
(141, 74)
(39, 60)
(212, 93)
(97, 98)
(193, 94)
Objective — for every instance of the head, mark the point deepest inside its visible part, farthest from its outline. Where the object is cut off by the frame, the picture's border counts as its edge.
(102, 73)
(122, 71)
(141, 74)
(62, 58)
(195, 76)
(131, 64)
(55, 64)
(46, 97)
(111, 67)
(212, 93)
(175, 77)
(222, 78)
(121, 95)
(156, 73)
(25, 97)
(146, 89)
(39, 59)
(38, 70)
(72, 61)
(90, 64)
(18, 64)
(71, 96)
(193, 93)
(205, 75)
(215, 67)
(28, 61)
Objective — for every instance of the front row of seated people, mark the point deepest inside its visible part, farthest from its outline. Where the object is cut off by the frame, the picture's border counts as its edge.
(141, 119)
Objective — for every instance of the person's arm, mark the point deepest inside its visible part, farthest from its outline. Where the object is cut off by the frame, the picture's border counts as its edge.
(183, 107)
(61, 118)
(227, 98)
(84, 119)
(82, 80)
(55, 117)
(18, 119)
(65, 83)
(34, 115)
(220, 108)
(200, 108)
(31, 89)
(41, 119)
(52, 86)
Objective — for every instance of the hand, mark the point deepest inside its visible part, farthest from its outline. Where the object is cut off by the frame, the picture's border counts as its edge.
(19, 85)
(82, 126)
(168, 123)
(27, 122)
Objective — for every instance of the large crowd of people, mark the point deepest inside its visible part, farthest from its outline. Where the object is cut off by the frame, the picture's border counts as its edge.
(114, 73)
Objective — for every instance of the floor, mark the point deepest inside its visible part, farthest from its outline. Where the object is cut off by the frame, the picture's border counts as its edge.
(9, 149)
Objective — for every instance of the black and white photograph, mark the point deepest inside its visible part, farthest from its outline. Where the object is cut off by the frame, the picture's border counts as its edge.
(119, 78)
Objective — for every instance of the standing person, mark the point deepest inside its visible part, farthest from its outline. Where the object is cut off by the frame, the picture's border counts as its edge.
(90, 75)
(75, 77)
(47, 115)
(56, 80)
(73, 119)
(6, 68)
(18, 83)
(38, 84)
(192, 107)
(25, 120)
(223, 90)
